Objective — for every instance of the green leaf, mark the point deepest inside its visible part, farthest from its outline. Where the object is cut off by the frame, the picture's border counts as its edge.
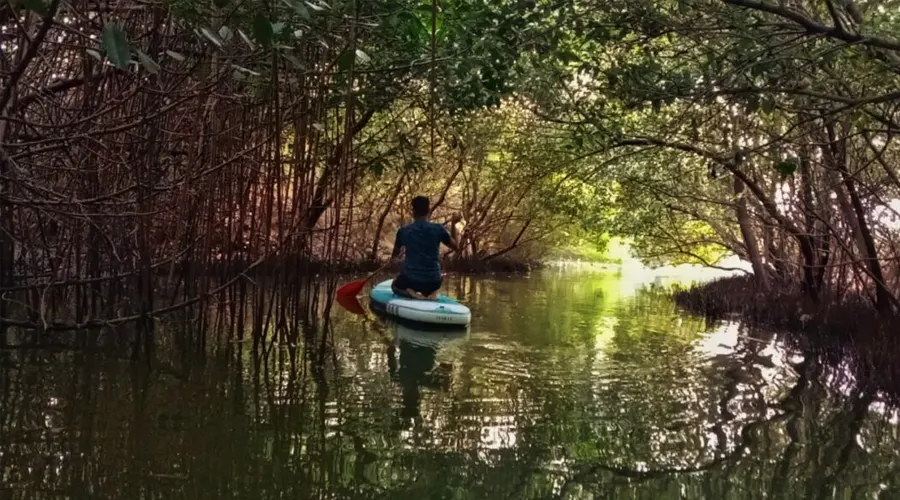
(226, 34)
(212, 37)
(345, 61)
(299, 8)
(612, 77)
(318, 126)
(414, 164)
(262, 30)
(221, 3)
(115, 42)
(147, 62)
(247, 40)
(414, 25)
(786, 167)
(377, 167)
(293, 60)
(245, 70)
(362, 57)
(175, 55)
(95, 54)
(753, 103)
(317, 7)
(277, 28)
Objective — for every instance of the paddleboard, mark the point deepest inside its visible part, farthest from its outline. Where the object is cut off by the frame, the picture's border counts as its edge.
(442, 311)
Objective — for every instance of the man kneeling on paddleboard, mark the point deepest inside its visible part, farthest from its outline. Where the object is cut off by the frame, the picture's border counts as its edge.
(421, 275)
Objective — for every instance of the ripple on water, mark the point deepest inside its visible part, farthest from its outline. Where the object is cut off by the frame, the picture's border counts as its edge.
(569, 387)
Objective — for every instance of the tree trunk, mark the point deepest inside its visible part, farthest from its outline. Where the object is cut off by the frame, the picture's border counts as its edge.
(320, 202)
(512, 246)
(447, 185)
(883, 297)
(376, 241)
(750, 242)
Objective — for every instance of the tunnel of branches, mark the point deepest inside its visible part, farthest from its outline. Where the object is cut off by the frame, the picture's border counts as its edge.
(169, 156)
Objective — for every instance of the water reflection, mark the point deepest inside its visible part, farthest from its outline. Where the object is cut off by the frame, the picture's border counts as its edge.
(412, 358)
(564, 387)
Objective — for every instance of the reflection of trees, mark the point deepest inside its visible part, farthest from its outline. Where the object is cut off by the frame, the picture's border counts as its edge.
(523, 408)
(803, 446)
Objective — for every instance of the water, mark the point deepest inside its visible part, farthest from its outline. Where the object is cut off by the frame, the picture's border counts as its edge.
(567, 386)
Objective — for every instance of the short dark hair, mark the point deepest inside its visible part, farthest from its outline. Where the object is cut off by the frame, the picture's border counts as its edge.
(420, 206)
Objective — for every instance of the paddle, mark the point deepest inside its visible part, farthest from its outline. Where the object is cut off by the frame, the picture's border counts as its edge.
(351, 303)
(353, 288)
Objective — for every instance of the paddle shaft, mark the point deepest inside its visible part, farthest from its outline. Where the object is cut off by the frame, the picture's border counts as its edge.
(382, 268)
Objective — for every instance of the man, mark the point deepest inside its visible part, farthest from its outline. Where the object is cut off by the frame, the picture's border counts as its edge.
(421, 275)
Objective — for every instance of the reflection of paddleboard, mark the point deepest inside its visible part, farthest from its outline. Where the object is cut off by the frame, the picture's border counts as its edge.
(441, 311)
(426, 338)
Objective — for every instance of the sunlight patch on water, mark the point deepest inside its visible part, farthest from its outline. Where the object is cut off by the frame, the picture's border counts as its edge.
(604, 333)
(722, 340)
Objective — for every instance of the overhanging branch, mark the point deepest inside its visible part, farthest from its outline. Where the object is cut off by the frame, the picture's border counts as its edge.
(814, 27)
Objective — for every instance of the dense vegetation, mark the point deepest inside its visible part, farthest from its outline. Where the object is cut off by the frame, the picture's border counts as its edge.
(166, 150)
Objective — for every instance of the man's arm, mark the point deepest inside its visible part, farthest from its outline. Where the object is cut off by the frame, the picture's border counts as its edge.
(454, 237)
(451, 239)
(398, 246)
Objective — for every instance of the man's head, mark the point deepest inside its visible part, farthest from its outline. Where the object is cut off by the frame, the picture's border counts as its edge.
(420, 207)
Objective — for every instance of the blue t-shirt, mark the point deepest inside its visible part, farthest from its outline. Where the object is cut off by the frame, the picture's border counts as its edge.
(422, 240)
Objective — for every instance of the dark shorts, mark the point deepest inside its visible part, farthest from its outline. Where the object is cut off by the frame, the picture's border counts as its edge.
(401, 283)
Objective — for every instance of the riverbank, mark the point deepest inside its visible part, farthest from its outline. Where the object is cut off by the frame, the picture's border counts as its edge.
(303, 267)
(850, 317)
(456, 266)
(844, 330)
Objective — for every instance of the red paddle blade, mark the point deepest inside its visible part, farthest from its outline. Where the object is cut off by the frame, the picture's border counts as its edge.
(351, 289)
(351, 304)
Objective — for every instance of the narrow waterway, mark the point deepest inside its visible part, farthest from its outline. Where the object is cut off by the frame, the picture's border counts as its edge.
(567, 385)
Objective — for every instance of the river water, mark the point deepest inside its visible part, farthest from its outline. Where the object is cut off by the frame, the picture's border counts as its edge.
(567, 385)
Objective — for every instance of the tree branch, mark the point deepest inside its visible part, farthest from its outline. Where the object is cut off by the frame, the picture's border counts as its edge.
(816, 28)
(730, 165)
(53, 88)
(33, 47)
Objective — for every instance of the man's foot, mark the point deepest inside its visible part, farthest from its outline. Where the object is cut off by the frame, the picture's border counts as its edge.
(433, 295)
(414, 294)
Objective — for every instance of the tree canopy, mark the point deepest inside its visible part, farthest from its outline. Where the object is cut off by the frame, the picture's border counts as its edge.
(196, 142)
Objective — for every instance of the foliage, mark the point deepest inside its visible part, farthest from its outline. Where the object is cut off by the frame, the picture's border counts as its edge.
(738, 127)
(260, 123)
(693, 129)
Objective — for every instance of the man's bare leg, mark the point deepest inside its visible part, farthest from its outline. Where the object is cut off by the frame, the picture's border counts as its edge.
(406, 292)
